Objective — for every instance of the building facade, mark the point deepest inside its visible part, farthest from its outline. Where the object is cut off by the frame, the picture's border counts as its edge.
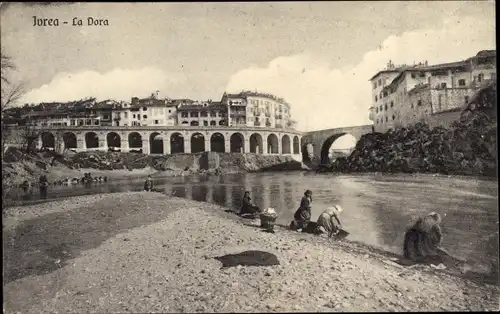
(405, 95)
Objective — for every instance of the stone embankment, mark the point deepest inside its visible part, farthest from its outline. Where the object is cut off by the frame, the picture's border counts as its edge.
(149, 259)
(469, 147)
(18, 166)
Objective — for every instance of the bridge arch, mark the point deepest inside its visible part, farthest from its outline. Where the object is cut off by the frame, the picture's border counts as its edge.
(91, 140)
(197, 143)
(156, 143)
(114, 140)
(296, 145)
(177, 143)
(48, 139)
(256, 144)
(272, 144)
(286, 145)
(135, 140)
(217, 143)
(69, 140)
(237, 143)
(347, 139)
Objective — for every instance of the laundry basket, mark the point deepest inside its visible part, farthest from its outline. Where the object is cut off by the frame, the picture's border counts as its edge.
(268, 218)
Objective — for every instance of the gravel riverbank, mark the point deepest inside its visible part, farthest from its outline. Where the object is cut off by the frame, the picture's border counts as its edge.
(147, 252)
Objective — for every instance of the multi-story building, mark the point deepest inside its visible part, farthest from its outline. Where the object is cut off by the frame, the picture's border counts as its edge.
(406, 95)
(208, 113)
(244, 109)
(258, 110)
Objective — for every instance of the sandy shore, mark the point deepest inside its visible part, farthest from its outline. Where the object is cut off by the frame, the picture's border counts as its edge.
(156, 254)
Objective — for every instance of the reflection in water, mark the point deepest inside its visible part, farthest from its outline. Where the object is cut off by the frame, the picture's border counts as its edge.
(377, 208)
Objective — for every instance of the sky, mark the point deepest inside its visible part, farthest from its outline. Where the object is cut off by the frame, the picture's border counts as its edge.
(319, 56)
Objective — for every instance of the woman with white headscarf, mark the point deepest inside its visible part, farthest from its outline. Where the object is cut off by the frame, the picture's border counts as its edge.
(329, 221)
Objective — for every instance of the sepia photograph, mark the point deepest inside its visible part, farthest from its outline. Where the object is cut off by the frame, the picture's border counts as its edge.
(238, 157)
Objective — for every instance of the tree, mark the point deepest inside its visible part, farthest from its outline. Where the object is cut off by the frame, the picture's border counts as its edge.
(11, 93)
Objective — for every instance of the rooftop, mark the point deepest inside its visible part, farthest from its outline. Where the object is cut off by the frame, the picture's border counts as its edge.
(424, 67)
(196, 107)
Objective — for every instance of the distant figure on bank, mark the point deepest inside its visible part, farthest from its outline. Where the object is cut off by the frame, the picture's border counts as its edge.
(25, 186)
(148, 185)
(329, 221)
(248, 207)
(303, 214)
(423, 240)
(44, 183)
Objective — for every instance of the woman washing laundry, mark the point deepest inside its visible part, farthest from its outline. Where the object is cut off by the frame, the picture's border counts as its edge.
(303, 214)
(329, 221)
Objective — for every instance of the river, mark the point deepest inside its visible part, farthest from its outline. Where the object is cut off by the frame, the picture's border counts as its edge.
(377, 208)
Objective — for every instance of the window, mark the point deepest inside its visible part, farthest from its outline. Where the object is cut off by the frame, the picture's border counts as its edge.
(204, 114)
(222, 122)
(380, 108)
(385, 106)
(73, 122)
(184, 114)
(421, 74)
(466, 99)
(393, 117)
(480, 77)
(185, 122)
(213, 123)
(213, 114)
(376, 110)
(193, 114)
(157, 122)
(105, 117)
(144, 116)
(96, 122)
(443, 85)
(169, 110)
(419, 103)
(88, 122)
(138, 117)
(133, 116)
(386, 119)
(125, 114)
(374, 85)
(412, 105)
(80, 122)
(461, 82)
(376, 98)
(144, 108)
(205, 123)
(413, 75)
(392, 105)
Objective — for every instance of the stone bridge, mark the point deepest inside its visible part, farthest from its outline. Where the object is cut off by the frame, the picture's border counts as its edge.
(171, 140)
(316, 144)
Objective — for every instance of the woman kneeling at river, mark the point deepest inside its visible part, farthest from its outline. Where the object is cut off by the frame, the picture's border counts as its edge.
(329, 221)
(248, 207)
(303, 214)
(423, 240)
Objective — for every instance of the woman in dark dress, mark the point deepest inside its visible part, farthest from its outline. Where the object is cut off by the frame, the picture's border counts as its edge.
(423, 239)
(303, 214)
(248, 207)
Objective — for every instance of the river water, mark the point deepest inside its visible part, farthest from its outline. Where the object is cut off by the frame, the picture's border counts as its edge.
(377, 208)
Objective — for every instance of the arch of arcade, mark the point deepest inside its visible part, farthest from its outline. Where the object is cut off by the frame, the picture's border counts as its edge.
(171, 140)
